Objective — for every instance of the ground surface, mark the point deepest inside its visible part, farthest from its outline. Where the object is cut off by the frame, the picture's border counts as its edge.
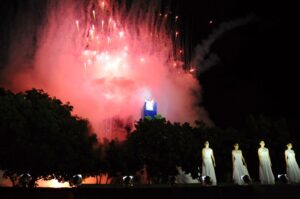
(157, 191)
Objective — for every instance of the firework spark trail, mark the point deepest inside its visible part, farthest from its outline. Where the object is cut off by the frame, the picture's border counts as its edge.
(202, 50)
(106, 58)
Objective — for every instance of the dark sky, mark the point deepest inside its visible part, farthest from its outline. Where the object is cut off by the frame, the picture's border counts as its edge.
(257, 71)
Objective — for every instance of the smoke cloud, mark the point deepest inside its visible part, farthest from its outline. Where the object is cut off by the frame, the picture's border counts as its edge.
(203, 58)
(105, 59)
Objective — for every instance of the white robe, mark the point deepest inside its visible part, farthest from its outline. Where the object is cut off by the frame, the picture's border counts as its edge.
(208, 168)
(239, 169)
(292, 168)
(265, 171)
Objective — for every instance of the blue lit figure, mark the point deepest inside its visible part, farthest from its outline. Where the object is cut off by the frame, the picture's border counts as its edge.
(150, 108)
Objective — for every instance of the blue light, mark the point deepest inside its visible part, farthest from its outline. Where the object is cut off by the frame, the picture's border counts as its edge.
(150, 108)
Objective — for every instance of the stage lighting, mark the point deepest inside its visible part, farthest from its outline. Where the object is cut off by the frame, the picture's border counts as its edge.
(25, 179)
(76, 180)
(206, 180)
(246, 179)
(282, 178)
(128, 181)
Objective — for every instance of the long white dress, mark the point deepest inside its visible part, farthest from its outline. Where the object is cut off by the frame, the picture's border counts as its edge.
(208, 168)
(239, 169)
(265, 171)
(292, 168)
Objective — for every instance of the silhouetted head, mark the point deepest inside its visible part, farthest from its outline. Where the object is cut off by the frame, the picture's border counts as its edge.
(289, 145)
(236, 146)
(262, 143)
(206, 144)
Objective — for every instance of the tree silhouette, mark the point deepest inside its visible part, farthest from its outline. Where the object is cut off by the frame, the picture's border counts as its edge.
(161, 146)
(40, 136)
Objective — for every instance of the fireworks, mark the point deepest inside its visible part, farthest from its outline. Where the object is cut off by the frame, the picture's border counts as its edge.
(77, 25)
(110, 59)
(105, 58)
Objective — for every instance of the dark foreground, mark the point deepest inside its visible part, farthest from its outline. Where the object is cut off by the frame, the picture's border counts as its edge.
(156, 192)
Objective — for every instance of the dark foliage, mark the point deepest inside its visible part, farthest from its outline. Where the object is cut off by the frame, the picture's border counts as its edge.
(40, 136)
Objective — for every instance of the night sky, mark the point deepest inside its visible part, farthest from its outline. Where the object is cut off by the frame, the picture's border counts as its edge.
(257, 71)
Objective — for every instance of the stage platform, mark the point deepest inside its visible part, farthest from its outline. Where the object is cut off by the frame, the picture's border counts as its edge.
(156, 192)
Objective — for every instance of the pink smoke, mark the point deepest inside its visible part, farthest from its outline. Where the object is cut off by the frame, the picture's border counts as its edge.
(105, 59)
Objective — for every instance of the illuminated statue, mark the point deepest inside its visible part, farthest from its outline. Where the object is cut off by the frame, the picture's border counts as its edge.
(292, 168)
(265, 171)
(239, 166)
(208, 163)
(150, 108)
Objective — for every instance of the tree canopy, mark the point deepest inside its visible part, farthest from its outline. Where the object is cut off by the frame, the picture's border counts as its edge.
(161, 146)
(40, 136)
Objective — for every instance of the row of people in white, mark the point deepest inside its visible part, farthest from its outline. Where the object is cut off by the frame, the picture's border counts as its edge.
(240, 168)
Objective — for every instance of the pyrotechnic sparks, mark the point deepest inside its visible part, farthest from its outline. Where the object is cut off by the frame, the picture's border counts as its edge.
(113, 58)
(94, 14)
(77, 25)
(106, 59)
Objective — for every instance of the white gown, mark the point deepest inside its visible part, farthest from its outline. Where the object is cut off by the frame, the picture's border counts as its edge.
(292, 168)
(239, 169)
(265, 171)
(183, 178)
(208, 168)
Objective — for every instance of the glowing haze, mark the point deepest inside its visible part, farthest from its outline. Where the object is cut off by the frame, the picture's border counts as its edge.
(105, 58)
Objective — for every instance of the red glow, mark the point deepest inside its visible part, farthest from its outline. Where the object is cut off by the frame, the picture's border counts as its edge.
(105, 65)
(53, 184)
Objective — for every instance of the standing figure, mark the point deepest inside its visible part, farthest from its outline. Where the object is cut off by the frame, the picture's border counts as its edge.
(208, 163)
(239, 166)
(292, 168)
(265, 171)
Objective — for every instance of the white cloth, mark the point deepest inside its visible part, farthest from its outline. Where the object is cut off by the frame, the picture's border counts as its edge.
(208, 168)
(239, 169)
(265, 171)
(292, 168)
(184, 178)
